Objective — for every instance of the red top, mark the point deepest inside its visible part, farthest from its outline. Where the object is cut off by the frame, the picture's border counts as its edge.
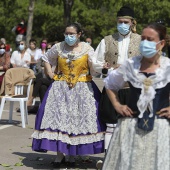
(7, 47)
(21, 29)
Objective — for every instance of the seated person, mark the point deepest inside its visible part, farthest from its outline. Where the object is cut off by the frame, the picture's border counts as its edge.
(20, 57)
(32, 49)
(8, 49)
(4, 61)
(40, 87)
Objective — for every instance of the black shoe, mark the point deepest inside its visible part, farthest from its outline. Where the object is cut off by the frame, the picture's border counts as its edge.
(32, 109)
(63, 160)
(17, 109)
(56, 164)
(72, 164)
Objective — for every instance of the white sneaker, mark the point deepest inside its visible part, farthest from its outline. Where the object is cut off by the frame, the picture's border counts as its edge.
(99, 164)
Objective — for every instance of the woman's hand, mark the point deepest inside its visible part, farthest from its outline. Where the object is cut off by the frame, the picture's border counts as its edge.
(106, 65)
(165, 112)
(27, 62)
(124, 110)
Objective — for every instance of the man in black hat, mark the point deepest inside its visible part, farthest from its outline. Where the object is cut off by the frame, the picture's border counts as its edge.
(112, 51)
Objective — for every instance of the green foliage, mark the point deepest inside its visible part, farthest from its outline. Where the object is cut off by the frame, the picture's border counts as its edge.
(97, 17)
(46, 19)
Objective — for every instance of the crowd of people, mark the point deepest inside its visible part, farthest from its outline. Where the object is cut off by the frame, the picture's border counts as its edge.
(128, 120)
(26, 57)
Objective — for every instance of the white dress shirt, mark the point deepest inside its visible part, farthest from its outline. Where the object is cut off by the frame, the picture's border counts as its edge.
(123, 44)
(99, 55)
(39, 54)
(18, 61)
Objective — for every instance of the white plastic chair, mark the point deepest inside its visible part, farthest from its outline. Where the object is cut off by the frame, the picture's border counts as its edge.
(19, 96)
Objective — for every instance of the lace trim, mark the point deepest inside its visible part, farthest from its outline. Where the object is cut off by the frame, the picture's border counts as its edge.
(52, 55)
(70, 110)
(84, 139)
(130, 72)
(63, 53)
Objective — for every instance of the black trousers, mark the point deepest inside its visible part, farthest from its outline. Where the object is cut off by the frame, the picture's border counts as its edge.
(106, 110)
(40, 87)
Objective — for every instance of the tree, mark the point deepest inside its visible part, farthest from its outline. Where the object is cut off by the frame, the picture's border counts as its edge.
(68, 4)
(97, 17)
(30, 21)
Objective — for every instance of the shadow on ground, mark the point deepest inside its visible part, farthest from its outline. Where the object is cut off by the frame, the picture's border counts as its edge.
(43, 161)
(14, 122)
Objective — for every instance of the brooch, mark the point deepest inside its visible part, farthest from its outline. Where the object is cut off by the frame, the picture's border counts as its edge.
(147, 82)
(60, 74)
(70, 57)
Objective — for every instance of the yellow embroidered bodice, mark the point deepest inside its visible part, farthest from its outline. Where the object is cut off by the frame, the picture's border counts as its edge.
(73, 71)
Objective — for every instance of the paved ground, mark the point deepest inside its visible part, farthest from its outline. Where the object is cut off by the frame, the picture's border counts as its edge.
(15, 145)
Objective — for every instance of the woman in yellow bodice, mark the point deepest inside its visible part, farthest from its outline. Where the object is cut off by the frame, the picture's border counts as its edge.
(67, 121)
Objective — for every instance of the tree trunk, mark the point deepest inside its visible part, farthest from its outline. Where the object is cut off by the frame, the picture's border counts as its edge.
(67, 10)
(30, 21)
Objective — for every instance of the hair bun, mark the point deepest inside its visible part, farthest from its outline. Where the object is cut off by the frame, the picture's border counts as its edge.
(77, 23)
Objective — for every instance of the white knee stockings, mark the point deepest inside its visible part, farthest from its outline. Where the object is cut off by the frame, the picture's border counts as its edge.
(108, 135)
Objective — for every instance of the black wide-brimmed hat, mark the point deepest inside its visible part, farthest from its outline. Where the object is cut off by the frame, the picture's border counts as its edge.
(125, 11)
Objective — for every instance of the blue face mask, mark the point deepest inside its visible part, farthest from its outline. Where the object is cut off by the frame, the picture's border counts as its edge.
(70, 39)
(123, 29)
(2, 51)
(148, 48)
(88, 43)
(21, 47)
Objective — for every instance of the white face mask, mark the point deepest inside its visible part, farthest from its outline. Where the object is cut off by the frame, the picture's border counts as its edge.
(70, 39)
(2, 51)
(21, 47)
(88, 43)
(148, 48)
(123, 29)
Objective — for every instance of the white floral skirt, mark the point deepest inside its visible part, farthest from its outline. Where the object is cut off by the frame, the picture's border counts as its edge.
(132, 148)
